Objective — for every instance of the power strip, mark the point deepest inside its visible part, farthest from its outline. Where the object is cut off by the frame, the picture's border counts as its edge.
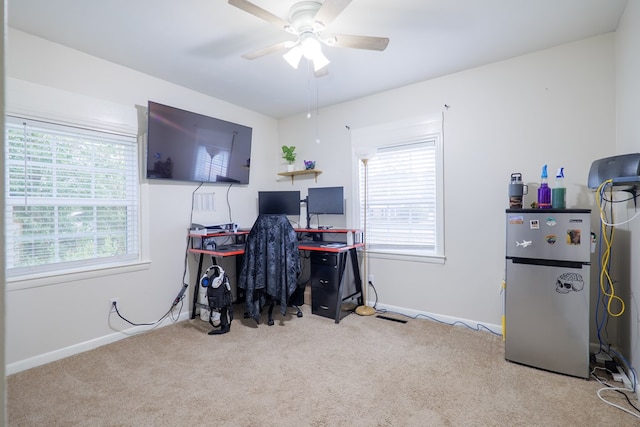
(624, 378)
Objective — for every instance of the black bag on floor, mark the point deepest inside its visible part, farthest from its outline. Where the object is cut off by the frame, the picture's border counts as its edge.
(219, 298)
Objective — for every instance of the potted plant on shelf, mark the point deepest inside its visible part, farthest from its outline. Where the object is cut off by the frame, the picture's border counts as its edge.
(289, 154)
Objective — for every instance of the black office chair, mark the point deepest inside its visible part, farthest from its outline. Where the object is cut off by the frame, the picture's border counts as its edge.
(271, 266)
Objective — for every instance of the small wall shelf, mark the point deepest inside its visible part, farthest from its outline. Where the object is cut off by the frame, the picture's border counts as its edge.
(292, 174)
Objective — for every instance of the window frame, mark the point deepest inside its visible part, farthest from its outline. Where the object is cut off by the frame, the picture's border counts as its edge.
(127, 260)
(367, 141)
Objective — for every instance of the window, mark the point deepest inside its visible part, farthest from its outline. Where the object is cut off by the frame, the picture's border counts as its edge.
(71, 197)
(404, 196)
(211, 162)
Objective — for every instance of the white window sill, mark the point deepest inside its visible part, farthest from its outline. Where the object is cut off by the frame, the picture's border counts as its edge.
(399, 256)
(53, 278)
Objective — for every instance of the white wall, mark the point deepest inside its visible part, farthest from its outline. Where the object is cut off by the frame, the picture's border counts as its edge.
(556, 106)
(628, 141)
(50, 318)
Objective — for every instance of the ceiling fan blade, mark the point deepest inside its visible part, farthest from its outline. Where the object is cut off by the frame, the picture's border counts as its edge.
(259, 12)
(329, 10)
(268, 50)
(359, 42)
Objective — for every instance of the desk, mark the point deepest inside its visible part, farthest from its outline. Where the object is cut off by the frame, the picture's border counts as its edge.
(328, 266)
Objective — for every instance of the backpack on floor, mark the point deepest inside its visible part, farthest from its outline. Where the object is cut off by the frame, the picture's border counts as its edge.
(219, 297)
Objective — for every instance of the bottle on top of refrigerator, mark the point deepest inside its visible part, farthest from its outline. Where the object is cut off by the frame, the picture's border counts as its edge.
(544, 192)
(559, 192)
(516, 191)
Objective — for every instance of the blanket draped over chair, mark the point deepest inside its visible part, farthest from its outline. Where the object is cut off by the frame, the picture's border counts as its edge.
(271, 263)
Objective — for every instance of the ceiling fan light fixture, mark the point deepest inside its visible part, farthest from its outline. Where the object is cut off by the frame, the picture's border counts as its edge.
(310, 47)
(312, 50)
(320, 61)
(293, 56)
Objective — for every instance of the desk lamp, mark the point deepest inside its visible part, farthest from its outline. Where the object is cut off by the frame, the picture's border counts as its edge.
(364, 154)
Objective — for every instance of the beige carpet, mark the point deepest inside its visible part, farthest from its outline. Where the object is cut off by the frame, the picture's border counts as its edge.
(304, 372)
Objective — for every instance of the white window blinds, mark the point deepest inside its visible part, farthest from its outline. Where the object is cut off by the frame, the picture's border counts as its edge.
(71, 197)
(402, 197)
(404, 187)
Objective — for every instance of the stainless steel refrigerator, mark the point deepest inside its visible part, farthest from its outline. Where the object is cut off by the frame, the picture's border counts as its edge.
(547, 289)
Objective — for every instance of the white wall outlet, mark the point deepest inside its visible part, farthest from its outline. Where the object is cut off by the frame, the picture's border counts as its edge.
(371, 278)
(112, 309)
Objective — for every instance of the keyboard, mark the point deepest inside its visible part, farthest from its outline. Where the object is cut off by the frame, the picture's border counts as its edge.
(321, 244)
(333, 245)
(230, 248)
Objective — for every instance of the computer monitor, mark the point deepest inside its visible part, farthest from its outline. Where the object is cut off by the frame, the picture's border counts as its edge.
(326, 200)
(279, 202)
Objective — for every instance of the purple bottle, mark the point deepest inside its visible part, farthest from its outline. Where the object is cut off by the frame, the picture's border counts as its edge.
(544, 192)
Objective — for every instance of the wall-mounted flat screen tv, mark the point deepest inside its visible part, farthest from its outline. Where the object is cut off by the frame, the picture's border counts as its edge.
(186, 146)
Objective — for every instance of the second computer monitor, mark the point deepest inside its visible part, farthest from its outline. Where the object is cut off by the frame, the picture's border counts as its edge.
(279, 202)
(326, 200)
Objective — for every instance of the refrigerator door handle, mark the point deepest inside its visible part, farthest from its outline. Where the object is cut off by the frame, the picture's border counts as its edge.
(548, 262)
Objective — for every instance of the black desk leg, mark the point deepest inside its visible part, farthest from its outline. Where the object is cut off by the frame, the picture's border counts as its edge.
(341, 267)
(195, 288)
(356, 274)
(342, 264)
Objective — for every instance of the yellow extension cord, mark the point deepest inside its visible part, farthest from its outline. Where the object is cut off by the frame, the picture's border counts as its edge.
(604, 262)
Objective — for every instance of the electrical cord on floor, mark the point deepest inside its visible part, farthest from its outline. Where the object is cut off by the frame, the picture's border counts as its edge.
(479, 326)
(597, 378)
(167, 314)
(621, 391)
(608, 386)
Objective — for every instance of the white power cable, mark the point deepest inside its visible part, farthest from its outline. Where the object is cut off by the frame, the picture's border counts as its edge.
(613, 404)
(601, 190)
(619, 223)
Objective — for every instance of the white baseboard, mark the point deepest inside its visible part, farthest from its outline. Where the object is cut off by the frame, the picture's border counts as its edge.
(456, 321)
(43, 359)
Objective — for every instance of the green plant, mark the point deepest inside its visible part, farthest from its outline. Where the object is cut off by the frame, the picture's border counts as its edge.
(289, 154)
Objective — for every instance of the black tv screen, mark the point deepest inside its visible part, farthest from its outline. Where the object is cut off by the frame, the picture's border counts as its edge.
(279, 202)
(186, 146)
(325, 200)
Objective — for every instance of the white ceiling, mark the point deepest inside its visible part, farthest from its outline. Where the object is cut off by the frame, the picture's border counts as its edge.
(197, 43)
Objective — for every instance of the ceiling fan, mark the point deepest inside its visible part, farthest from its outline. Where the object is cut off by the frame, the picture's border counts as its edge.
(307, 21)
